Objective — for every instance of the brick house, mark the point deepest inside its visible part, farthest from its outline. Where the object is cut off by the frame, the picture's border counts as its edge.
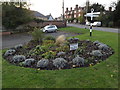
(72, 14)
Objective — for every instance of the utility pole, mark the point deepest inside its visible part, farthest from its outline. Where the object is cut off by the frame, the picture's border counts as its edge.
(87, 5)
(63, 10)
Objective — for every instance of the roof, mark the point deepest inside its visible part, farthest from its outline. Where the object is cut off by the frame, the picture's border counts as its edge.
(38, 14)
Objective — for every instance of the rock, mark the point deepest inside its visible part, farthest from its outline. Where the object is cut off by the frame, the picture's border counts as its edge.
(18, 46)
(18, 58)
(42, 63)
(78, 60)
(59, 62)
(61, 53)
(9, 52)
(29, 62)
(97, 53)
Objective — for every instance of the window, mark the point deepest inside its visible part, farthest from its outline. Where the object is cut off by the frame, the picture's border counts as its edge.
(74, 15)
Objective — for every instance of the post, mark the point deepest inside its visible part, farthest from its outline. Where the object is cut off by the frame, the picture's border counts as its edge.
(91, 22)
(63, 10)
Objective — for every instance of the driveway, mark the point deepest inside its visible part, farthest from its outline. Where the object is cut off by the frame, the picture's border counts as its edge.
(115, 30)
(9, 41)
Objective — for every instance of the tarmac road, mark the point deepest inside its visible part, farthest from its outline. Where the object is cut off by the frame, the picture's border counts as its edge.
(115, 30)
(9, 41)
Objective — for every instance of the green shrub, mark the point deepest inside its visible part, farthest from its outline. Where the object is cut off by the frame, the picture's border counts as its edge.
(49, 55)
(37, 35)
(49, 38)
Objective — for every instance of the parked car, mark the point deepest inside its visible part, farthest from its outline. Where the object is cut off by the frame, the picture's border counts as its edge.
(94, 24)
(88, 23)
(50, 28)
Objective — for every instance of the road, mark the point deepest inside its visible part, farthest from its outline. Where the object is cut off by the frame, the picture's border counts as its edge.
(9, 41)
(96, 28)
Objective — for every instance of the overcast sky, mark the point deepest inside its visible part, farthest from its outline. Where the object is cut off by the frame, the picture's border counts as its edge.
(55, 6)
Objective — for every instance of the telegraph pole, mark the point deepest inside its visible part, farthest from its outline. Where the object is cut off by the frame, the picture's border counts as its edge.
(63, 10)
(87, 5)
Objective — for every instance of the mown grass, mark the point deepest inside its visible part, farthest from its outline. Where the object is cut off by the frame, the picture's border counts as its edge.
(103, 75)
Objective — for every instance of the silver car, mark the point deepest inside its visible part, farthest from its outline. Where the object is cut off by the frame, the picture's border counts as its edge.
(50, 28)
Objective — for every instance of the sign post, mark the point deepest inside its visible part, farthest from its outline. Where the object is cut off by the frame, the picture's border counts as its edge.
(92, 14)
(92, 10)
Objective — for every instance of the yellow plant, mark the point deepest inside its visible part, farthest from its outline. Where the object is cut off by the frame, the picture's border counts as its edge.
(60, 40)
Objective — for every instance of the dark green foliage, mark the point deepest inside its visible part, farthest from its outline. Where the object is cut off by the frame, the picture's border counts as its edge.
(13, 16)
(37, 35)
(49, 38)
(97, 7)
(116, 17)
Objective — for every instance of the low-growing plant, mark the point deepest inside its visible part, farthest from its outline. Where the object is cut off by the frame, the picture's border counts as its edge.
(64, 48)
(60, 40)
(18, 58)
(46, 42)
(78, 60)
(49, 38)
(49, 55)
(42, 63)
(59, 63)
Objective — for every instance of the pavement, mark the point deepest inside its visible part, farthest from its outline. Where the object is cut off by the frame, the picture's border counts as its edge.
(115, 30)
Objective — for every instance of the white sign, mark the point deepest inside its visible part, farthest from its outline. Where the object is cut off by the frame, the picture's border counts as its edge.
(91, 15)
(74, 46)
(95, 14)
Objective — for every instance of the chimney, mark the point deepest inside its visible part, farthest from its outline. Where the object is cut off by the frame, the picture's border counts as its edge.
(77, 6)
(110, 9)
(71, 8)
(66, 9)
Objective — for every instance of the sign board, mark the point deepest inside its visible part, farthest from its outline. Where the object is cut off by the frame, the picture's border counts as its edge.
(73, 46)
(94, 13)
(91, 15)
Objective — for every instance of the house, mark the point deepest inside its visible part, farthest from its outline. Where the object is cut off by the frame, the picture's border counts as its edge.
(73, 14)
(49, 17)
(38, 15)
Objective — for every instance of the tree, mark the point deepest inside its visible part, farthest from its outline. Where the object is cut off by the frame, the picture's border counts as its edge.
(81, 19)
(116, 16)
(13, 16)
(97, 7)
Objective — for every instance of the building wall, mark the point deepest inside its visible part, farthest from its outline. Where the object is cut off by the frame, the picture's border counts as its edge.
(74, 13)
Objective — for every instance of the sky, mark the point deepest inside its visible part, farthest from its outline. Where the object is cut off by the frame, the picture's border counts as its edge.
(55, 6)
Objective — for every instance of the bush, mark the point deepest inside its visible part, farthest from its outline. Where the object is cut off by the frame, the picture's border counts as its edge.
(18, 46)
(59, 63)
(49, 55)
(42, 63)
(28, 62)
(96, 53)
(9, 52)
(78, 61)
(103, 46)
(37, 35)
(49, 38)
(18, 58)
(60, 40)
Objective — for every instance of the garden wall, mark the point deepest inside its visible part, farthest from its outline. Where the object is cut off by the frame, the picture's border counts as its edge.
(42, 24)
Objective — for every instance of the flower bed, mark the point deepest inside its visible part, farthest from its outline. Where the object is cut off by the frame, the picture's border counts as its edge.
(50, 55)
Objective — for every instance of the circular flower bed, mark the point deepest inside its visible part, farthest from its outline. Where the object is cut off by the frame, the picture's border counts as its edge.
(50, 55)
